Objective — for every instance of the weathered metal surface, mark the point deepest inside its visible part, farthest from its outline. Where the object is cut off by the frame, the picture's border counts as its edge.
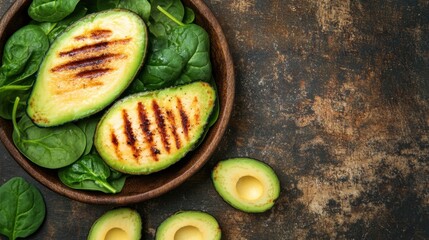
(334, 95)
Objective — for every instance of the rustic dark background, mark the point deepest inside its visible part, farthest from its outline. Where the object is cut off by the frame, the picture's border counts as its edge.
(334, 95)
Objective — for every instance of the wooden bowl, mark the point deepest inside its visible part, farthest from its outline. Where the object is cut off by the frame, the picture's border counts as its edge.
(138, 188)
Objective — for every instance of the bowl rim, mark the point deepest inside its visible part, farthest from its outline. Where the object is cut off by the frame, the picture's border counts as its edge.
(216, 132)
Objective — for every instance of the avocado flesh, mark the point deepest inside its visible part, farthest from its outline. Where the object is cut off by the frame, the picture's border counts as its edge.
(117, 224)
(88, 67)
(189, 225)
(147, 132)
(246, 184)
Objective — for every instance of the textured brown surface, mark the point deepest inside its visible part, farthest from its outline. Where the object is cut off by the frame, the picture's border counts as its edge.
(334, 95)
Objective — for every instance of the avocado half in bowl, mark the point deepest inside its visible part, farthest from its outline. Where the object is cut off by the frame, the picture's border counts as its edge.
(138, 188)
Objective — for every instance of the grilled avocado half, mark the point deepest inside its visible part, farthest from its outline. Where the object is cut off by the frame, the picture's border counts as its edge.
(88, 67)
(147, 132)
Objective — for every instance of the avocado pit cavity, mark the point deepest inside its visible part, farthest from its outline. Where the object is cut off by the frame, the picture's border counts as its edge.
(189, 225)
(249, 188)
(116, 234)
(188, 233)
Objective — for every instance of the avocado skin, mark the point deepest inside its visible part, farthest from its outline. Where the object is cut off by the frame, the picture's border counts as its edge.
(225, 176)
(47, 104)
(126, 219)
(204, 222)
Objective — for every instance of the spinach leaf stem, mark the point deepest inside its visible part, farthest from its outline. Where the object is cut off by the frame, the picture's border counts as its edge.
(15, 125)
(161, 9)
(15, 87)
(106, 185)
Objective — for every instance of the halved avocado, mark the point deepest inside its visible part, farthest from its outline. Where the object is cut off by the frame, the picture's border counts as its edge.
(246, 184)
(88, 67)
(147, 132)
(188, 225)
(117, 224)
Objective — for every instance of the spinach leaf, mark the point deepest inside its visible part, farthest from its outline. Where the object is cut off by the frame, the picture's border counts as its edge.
(45, 26)
(90, 5)
(88, 126)
(107, 4)
(92, 173)
(23, 53)
(51, 10)
(192, 43)
(157, 30)
(53, 147)
(136, 86)
(8, 95)
(189, 16)
(22, 208)
(161, 69)
(60, 26)
(140, 7)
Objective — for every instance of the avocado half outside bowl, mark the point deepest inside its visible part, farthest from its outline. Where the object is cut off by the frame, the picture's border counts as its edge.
(144, 187)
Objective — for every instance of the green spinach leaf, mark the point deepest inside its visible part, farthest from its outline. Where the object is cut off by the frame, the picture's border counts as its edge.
(8, 95)
(192, 43)
(22, 208)
(23, 53)
(140, 7)
(161, 69)
(189, 16)
(157, 31)
(107, 4)
(88, 126)
(51, 10)
(53, 147)
(91, 5)
(45, 26)
(92, 173)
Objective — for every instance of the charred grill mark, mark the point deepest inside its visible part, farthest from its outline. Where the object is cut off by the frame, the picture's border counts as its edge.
(95, 34)
(160, 122)
(85, 49)
(197, 110)
(128, 131)
(114, 139)
(172, 121)
(101, 33)
(88, 62)
(93, 73)
(155, 150)
(183, 118)
(144, 125)
(115, 143)
(93, 47)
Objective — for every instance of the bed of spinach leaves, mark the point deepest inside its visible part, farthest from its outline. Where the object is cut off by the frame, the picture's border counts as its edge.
(178, 53)
(22, 208)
